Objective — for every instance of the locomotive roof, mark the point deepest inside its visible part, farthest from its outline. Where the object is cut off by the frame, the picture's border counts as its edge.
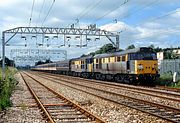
(82, 58)
(64, 61)
(120, 53)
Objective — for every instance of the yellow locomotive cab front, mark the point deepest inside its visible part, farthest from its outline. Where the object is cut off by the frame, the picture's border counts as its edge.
(146, 66)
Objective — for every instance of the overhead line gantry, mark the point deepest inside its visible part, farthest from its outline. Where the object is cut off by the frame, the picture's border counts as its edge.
(90, 31)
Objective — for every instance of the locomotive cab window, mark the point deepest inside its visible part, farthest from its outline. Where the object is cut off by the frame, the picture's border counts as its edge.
(143, 56)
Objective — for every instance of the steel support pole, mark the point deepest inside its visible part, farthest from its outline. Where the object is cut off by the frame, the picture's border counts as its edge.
(117, 42)
(3, 56)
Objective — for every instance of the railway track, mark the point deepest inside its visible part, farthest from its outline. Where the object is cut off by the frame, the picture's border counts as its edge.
(165, 112)
(168, 88)
(56, 107)
(173, 96)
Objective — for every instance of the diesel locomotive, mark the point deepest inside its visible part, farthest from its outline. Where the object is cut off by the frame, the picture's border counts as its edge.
(134, 66)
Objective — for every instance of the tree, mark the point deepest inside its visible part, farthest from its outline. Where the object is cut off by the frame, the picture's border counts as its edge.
(83, 55)
(155, 49)
(169, 54)
(47, 61)
(130, 47)
(8, 62)
(39, 63)
(107, 48)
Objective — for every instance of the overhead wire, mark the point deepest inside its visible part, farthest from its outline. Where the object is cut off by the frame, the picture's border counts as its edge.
(40, 12)
(144, 7)
(89, 8)
(159, 17)
(134, 12)
(156, 18)
(48, 12)
(160, 32)
(107, 13)
(165, 15)
(32, 8)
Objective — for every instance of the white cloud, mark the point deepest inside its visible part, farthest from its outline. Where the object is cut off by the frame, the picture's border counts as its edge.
(15, 13)
(114, 26)
(176, 15)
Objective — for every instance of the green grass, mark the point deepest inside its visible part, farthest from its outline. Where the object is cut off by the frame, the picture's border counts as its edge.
(6, 88)
(167, 80)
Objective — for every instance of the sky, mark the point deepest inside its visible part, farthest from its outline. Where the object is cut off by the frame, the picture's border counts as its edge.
(139, 22)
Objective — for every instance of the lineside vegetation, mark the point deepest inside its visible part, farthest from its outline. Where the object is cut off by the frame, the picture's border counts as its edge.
(6, 87)
(167, 80)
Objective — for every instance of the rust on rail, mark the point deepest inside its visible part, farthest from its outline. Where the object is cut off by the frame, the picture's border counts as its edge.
(39, 102)
(76, 106)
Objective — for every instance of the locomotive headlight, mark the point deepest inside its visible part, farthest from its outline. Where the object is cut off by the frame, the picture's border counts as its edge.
(140, 67)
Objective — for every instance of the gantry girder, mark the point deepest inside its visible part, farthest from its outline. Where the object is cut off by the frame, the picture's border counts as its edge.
(64, 31)
(36, 54)
(53, 30)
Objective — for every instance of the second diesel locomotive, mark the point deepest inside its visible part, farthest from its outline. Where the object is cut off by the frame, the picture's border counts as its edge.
(134, 66)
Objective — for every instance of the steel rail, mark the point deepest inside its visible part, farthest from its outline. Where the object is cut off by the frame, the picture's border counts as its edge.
(105, 91)
(76, 106)
(47, 114)
(136, 91)
(118, 85)
(168, 88)
(140, 101)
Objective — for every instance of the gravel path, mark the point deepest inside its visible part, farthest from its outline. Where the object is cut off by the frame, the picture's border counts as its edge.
(20, 112)
(109, 111)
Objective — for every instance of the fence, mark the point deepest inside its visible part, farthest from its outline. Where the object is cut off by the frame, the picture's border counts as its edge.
(169, 66)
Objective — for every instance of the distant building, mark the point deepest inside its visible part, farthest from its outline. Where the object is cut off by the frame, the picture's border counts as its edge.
(160, 55)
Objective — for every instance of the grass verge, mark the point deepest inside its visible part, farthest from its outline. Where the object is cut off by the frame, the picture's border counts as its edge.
(6, 87)
(167, 80)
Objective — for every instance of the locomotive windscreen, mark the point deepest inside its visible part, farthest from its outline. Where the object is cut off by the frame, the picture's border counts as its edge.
(143, 56)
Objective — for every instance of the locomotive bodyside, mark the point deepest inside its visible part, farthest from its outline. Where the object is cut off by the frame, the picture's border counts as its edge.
(129, 66)
(81, 66)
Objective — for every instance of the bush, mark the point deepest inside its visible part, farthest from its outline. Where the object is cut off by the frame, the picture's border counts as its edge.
(6, 88)
(167, 80)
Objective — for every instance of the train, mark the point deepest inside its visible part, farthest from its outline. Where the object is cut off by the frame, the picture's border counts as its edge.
(134, 66)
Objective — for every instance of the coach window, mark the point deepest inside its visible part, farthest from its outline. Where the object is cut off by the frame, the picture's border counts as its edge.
(118, 59)
(103, 60)
(73, 63)
(112, 59)
(109, 59)
(82, 66)
(96, 60)
(123, 58)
